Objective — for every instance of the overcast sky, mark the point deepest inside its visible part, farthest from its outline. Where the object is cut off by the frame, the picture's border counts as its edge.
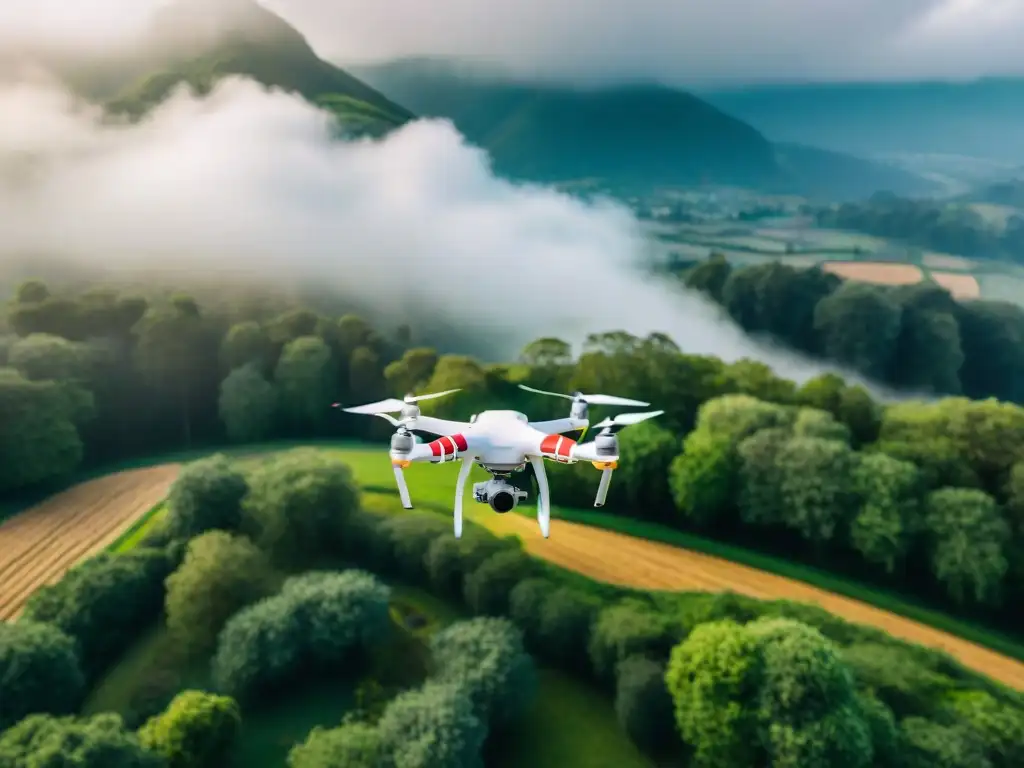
(680, 41)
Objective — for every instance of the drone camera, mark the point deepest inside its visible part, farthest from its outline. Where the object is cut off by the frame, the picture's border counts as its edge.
(501, 495)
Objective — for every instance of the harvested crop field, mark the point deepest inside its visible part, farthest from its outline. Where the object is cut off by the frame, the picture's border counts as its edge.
(875, 272)
(961, 286)
(628, 561)
(39, 545)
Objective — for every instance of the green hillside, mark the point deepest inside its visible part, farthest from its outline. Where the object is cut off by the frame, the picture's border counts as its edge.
(250, 41)
(640, 134)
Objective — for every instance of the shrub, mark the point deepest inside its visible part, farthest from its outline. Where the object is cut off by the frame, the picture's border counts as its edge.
(928, 744)
(625, 629)
(207, 495)
(487, 588)
(39, 672)
(449, 560)
(999, 725)
(410, 537)
(104, 604)
(432, 727)
(220, 575)
(566, 618)
(299, 505)
(354, 745)
(319, 622)
(643, 705)
(95, 742)
(486, 658)
(197, 730)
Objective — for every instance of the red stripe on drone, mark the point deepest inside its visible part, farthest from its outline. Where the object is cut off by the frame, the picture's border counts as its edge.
(448, 447)
(557, 447)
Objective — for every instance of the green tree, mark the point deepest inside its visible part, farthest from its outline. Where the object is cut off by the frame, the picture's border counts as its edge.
(760, 498)
(709, 277)
(299, 504)
(172, 351)
(42, 357)
(859, 325)
(39, 672)
(206, 495)
(247, 405)
(815, 485)
(353, 745)
(245, 344)
(411, 371)
(624, 629)
(889, 494)
(968, 543)
(220, 575)
(95, 742)
(644, 478)
(546, 352)
(643, 705)
(702, 477)
(197, 730)
(305, 377)
(999, 724)
(432, 727)
(992, 338)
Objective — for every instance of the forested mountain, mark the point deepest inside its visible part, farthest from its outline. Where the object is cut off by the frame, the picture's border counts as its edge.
(639, 135)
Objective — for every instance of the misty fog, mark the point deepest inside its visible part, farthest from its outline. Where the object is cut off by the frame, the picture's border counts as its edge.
(252, 183)
(700, 42)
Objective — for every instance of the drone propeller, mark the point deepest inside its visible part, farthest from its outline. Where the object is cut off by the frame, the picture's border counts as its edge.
(623, 420)
(392, 404)
(589, 399)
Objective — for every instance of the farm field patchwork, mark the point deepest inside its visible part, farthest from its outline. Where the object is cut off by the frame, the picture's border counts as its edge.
(38, 546)
(875, 272)
(599, 554)
(960, 286)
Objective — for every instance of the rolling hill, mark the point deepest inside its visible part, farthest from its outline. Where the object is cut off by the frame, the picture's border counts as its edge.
(980, 118)
(635, 135)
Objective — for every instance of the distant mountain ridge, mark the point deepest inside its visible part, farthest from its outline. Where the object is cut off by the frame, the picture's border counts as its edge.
(642, 132)
(981, 118)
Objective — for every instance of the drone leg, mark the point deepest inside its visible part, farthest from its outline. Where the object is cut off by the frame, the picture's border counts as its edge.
(602, 489)
(543, 495)
(403, 489)
(460, 491)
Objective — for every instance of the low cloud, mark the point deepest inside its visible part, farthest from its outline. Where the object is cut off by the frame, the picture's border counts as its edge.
(248, 183)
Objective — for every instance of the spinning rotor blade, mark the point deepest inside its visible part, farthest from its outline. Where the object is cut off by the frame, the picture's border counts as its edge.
(623, 420)
(417, 398)
(391, 405)
(589, 399)
(388, 418)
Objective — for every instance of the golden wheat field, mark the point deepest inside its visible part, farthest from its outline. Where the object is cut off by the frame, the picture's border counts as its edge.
(37, 547)
(883, 273)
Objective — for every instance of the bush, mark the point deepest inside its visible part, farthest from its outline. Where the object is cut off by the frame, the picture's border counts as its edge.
(321, 622)
(999, 725)
(643, 705)
(220, 575)
(625, 629)
(449, 560)
(299, 505)
(487, 588)
(197, 730)
(410, 537)
(354, 745)
(896, 678)
(928, 744)
(105, 604)
(95, 742)
(206, 496)
(486, 658)
(432, 727)
(39, 672)
(525, 603)
(566, 618)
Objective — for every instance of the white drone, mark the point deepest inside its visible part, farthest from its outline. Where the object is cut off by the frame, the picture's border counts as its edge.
(503, 442)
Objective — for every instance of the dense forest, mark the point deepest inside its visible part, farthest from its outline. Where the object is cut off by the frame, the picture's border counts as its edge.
(924, 497)
(932, 224)
(913, 337)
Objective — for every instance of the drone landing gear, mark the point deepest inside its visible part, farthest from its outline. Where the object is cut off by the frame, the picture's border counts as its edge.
(606, 467)
(543, 496)
(403, 489)
(460, 490)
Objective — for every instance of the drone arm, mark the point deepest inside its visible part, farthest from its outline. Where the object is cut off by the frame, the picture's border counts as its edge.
(543, 495)
(460, 491)
(558, 426)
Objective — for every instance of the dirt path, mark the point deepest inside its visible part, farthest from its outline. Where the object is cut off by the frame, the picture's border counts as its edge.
(633, 562)
(39, 545)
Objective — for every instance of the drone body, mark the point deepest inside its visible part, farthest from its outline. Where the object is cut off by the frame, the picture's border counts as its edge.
(503, 442)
